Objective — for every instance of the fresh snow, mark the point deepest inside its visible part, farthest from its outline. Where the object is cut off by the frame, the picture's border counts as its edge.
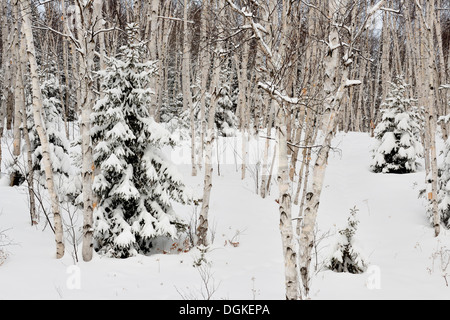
(393, 235)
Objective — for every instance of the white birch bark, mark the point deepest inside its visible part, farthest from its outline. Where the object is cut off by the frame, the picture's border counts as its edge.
(85, 18)
(285, 209)
(202, 229)
(19, 98)
(427, 32)
(385, 69)
(241, 67)
(30, 176)
(264, 174)
(4, 21)
(204, 67)
(272, 45)
(41, 130)
(335, 84)
(155, 80)
(186, 84)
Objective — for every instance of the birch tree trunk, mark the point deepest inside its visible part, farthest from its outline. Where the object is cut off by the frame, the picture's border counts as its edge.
(442, 76)
(204, 67)
(64, 45)
(336, 81)
(202, 229)
(21, 67)
(19, 98)
(26, 136)
(385, 69)
(285, 209)
(4, 21)
(186, 83)
(85, 24)
(241, 69)
(427, 32)
(264, 174)
(272, 45)
(41, 130)
(154, 81)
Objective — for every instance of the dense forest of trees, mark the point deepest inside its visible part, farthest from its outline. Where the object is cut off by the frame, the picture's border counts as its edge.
(104, 78)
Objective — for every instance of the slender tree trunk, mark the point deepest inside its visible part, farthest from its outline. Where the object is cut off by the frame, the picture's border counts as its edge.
(285, 208)
(19, 99)
(430, 111)
(202, 229)
(442, 78)
(385, 67)
(204, 66)
(270, 107)
(335, 85)
(21, 67)
(40, 128)
(241, 67)
(186, 83)
(85, 19)
(4, 69)
(154, 82)
(26, 136)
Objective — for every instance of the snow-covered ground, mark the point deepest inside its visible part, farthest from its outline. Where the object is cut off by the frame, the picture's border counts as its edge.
(393, 234)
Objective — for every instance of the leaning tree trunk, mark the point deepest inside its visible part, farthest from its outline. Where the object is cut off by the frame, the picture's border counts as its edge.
(40, 128)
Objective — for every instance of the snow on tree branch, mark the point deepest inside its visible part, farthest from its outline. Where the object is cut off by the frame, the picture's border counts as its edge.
(277, 95)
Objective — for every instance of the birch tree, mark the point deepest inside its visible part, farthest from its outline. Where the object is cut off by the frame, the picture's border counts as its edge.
(203, 221)
(425, 12)
(40, 128)
(336, 67)
(19, 98)
(186, 83)
(274, 53)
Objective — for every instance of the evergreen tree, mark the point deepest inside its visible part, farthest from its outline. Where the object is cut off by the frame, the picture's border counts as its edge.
(59, 145)
(136, 182)
(398, 133)
(346, 257)
(225, 118)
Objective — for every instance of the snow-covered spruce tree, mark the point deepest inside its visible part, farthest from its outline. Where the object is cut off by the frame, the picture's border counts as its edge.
(58, 143)
(346, 257)
(136, 183)
(226, 119)
(398, 133)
